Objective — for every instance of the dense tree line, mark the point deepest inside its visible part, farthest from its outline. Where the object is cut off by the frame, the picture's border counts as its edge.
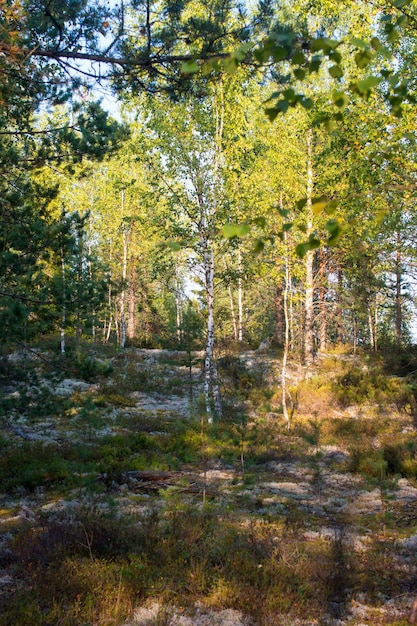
(198, 220)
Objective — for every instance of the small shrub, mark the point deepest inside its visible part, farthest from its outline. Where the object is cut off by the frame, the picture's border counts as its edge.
(359, 386)
(88, 368)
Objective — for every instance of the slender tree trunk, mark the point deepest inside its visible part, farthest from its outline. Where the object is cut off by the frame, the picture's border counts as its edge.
(107, 329)
(286, 336)
(339, 309)
(178, 305)
(64, 304)
(309, 258)
(210, 371)
(232, 305)
(232, 312)
(210, 367)
(291, 299)
(355, 333)
(132, 303)
(124, 278)
(240, 296)
(322, 302)
(398, 297)
(371, 328)
(90, 273)
(78, 328)
(280, 313)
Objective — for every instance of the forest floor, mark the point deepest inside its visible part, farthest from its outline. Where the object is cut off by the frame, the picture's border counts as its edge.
(120, 505)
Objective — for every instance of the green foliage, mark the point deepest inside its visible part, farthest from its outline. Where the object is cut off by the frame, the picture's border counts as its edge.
(89, 368)
(361, 385)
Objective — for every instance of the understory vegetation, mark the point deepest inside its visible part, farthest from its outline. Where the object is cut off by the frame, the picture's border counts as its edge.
(110, 502)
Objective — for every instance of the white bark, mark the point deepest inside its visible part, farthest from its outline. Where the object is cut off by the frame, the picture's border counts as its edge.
(240, 296)
(210, 368)
(371, 328)
(286, 335)
(124, 276)
(178, 308)
(107, 329)
(210, 371)
(132, 304)
(232, 312)
(309, 285)
(232, 306)
(64, 305)
(90, 272)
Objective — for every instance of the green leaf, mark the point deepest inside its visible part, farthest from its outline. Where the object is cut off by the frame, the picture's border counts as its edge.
(288, 226)
(175, 246)
(258, 246)
(240, 53)
(313, 242)
(300, 204)
(363, 58)
(260, 221)
(358, 43)
(318, 207)
(315, 64)
(189, 67)
(335, 71)
(298, 58)
(340, 99)
(262, 54)
(243, 229)
(279, 53)
(327, 45)
(335, 56)
(335, 231)
(299, 73)
(302, 248)
(331, 207)
(231, 231)
(364, 86)
(282, 106)
(283, 212)
(271, 113)
(230, 65)
(307, 103)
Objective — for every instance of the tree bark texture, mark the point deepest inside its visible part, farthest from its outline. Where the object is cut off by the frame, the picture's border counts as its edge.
(309, 259)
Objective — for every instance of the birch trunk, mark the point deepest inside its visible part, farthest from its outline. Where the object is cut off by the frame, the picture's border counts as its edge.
(309, 258)
(90, 273)
(208, 259)
(178, 308)
(107, 329)
(286, 335)
(398, 298)
(279, 308)
(339, 311)
(232, 312)
(210, 368)
(64, 304)
(132, 304)
(322, 302)
(78, 328)
(240, 297)
(232, 305)
(124, 276)
(371, 328)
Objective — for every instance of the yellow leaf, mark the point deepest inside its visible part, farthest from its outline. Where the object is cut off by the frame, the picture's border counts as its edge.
(318, 207)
